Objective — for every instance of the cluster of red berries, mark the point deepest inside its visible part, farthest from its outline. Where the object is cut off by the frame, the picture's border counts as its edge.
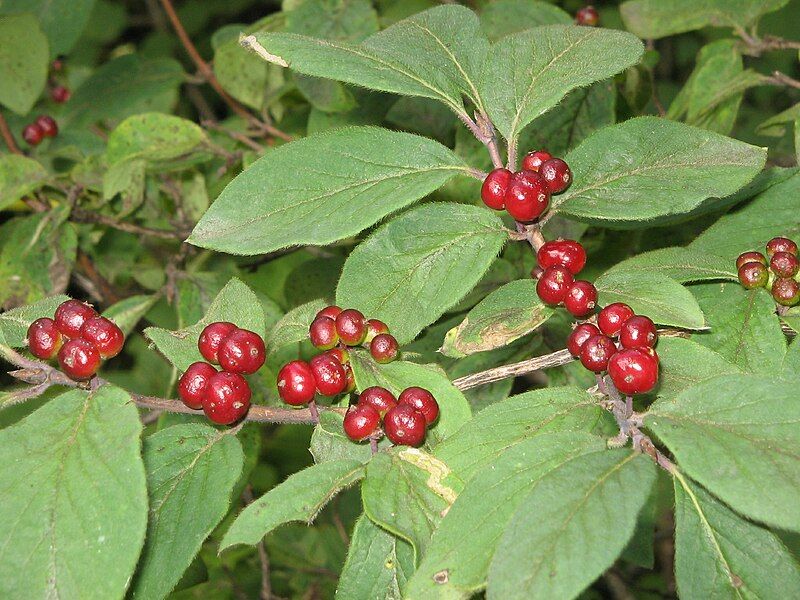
(779, 274)
(334, 327)
(44, 126)
(558, 262)
(630, 361)
(58, 92)
(78, 336)
(223, 395)
(587, 16)
(404, 419)
(525, 195)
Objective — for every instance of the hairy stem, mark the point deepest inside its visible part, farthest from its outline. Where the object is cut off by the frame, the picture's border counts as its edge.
(8, 137)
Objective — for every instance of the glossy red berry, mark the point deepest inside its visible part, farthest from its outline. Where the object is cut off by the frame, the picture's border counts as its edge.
(375, 327)
(211, 339)
(633, 371)
(784, 264)
(193, 383)
(60, 94)
(578, 337)
(753, 275)
(494, 188)
(44, 339)
(786, 292)
(638, 331)
(331, 312)
(329, 374)
(596, 353)
(227, 398)
(554, 284)
(105, 335)
(351, 326)
(746, 257)
(587, 16)
(533, 160)
(378, 398)
(48, 125)
(421, 400)
(556, 174)
(360, 422)
(781, 244)
(71, 315)
(567, 253)
(611, 317)
(527, 197)
(32, 134)
(242, 351)
(581, 298)
(296, 383)
(340, 354)
(79, 359)
(404, 426)
(384, 348)
(350, 379)
(322, 333)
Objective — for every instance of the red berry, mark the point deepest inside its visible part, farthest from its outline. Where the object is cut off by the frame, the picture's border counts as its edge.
(753, 275)
(587, 16)
(422, 400)
(404, 425)
(554, 284)
(105, 335)
(360, 422)
(527, 196)
(781, 244)
(193, 383)
(378, 398)
(211, 339)
(227, 398)
(633, 371)
(60, 94)
(611, 317)
(340, 354)
(329, 375)
(296, 383)
(351, 326)
(581, 298)
(48, 125)
(331, 312)
(350, 379)
(567, 253)
(44, 339)
(746, 257)
(556, 174)
(384, 348)
(638, 331)
(71, 315)
(57, 64)
(242, 352)
(79, 359)
(533, 160)
(784, 264)
(494, 188)
(786, 292)
(32, 134)
(578, 337)
(596, 353)
(323, 333)
(375, 327)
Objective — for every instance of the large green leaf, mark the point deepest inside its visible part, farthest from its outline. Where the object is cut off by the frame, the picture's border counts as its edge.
(73, 499)
(191, 471)
(24, 61)
(19, 176)
(737, 435)
(426, 260)
(504, 17)
(681, 264)
(658, 168)
(323, 188)
(685, 363)
(62, 21)
(153, 137)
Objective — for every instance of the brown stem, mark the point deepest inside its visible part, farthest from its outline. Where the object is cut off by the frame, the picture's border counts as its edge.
(782, 79)
(100, 283)
(8, 137)
(533, 234)
(263, 557)
(484, 132)
(80, 215)
(562, 357)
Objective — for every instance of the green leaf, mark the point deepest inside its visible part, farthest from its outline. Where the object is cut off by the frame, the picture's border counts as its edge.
(299, 498)
(685, 363)
(154, 137)
(14, 323)
(792, 319)
(684, 265)
(73, 498)
(777, 125)
(62, 21)
(572, 526)
(293, 326)
(352, 21)
(24, 61)
(658, 168)
(235, 303)
(544, 64)
(126, 178)
(19, 176)
(463, 545)
(329, 443)
(653, 294)
(426, 260)
(505, 17)
(505, 315)
(737, 436)
(718, 554)
(357, 174)
(128, 312)
(187, 466)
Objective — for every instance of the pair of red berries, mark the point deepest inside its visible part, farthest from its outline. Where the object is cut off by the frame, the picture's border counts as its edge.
(328, 373)
(525, 195)
(223, 395)
(78, 336)
(754, 270)
(405, 419)
(558, 262)
(587, 16)
(334, 327)
(44, 126)
(631, 362)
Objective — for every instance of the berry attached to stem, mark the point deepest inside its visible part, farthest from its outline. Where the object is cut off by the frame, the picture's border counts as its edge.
(421, 400)
(227, 398)
(193, 383)
(596, 352)
(44, 339)
(360, 422)
(79, 359)
(633, 371)
(384, 348)
(786, 292)
(32, 134)
(527, 197)
(494, 188)
(532, 161)
(296, 383)
(638, 331)
(375, 327)
(48, 125)
(784, 264)
(351, 326)
(746, 257)
(211, 339)
(753, 275)
(611, 317)
(567, 253)
(556, 174)
(60, 94)
(322, 333)
(379, 398)
(404, 426)
(105, 335)
(554, 284)
(587, 16)
(329, 374)
(71, 315)
(242, 351)
(581, 298)
(578, 337)
(331, 312)
(781, 244)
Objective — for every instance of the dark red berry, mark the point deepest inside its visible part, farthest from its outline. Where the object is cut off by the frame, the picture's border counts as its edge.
(193, 383)
(296, 383)
(578, 337)
(350, 379)
(105, 335)
(422, 400)
(784, 264)
(57, 64)
(378, 398)
(611, 317)
(323, 333)
(32, 134)
(786, 292)
(340, 354)
(404, 426)
(527, 196)
(567, 253)
(596, 353)
(211, 339)
(494, 188)
(746, 257)
(44, 339)
(554, 284)
(375, 327)
(581, 298)
(331, 312)
(781, 244)
(329, 375)
(60, 94)
(753, 275)
(556, 174)
(533, 160)
(79, 359)
(633, 371)
(227, 398)
(638, 331)
(71, 315)
(360, 422)
(351, 326)
(242, 351)
(48, 125)
(587, 16)
(384, 348)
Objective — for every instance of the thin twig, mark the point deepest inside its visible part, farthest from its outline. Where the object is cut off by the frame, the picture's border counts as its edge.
(483, 130)
(263, 557)
(80, 215)
(8, 137)
(782, 79)
(562, 357)
(253, 145)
